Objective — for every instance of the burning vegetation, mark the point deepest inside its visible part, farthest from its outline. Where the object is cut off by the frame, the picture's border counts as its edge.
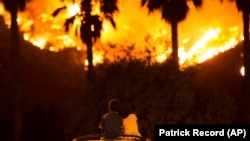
(206, 32)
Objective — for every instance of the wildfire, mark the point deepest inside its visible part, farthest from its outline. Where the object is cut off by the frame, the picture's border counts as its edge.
(1, 9)
(73, 9)
(242, 71)
(204, 33)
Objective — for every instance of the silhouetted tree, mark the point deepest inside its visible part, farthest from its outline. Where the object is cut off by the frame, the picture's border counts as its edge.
(54, 127)
(172, 11)
(91, 25)
(244, 6)
(38, 124)
(13, 6)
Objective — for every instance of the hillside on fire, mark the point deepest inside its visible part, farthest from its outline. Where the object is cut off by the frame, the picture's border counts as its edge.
(58, 102)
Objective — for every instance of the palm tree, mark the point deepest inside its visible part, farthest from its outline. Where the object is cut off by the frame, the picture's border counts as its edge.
(173, 12)
(13, 6)
(91, 25)
(244, 6)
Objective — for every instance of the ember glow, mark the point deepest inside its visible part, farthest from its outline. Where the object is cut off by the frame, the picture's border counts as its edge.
(242, 71)
(206, 32)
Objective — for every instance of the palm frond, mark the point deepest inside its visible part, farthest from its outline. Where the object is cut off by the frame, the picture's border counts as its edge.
(155, 4)
(112, 21)
(69, 22)
(86, 5)
(97, 23)
(21, 4)
(243, 5)
(174, 10)
(84, 32)
(143, 2)
(108, 7)
(197, 3)
(58, 10)
(76, 30)
(10, 5)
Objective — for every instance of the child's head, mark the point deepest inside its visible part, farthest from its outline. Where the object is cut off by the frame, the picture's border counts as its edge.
(114, 105)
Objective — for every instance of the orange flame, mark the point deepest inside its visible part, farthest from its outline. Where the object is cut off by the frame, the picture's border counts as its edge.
(206, 32)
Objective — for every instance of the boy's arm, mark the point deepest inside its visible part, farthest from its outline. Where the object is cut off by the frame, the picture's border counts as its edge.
(101, 124)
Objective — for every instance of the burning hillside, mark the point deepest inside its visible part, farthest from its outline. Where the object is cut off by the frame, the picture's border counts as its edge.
(214, 28)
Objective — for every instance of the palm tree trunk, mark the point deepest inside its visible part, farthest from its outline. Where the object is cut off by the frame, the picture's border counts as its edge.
(246, 51)
(16, 75)
(89, 42)
(175, 58)
(90, 58)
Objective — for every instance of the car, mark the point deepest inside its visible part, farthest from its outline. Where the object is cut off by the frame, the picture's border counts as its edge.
(99, 137)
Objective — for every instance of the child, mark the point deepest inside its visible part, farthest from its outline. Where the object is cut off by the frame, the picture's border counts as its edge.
(112, 123)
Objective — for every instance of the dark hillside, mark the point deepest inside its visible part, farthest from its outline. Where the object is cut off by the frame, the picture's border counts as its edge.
(47, 78)
(223, 72)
